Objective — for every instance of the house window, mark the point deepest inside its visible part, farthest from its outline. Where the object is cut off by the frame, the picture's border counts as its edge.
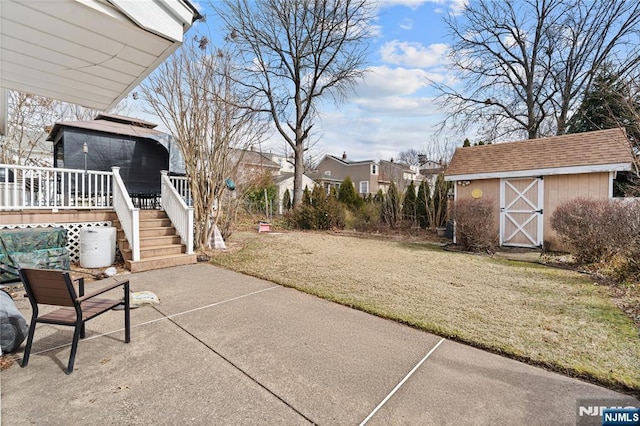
(374, 169)
(327, 173)
(364, 187)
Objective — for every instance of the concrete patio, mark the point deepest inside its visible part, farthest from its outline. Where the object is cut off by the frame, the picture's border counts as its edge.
(224, 348)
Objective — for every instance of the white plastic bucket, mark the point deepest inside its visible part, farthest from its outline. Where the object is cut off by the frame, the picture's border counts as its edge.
(97, 247)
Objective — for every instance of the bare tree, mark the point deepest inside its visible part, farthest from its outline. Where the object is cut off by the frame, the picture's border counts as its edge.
(30, 118)
(195, 96)
(524, 65)
(295, 53)
(412, 157)
(437, 151)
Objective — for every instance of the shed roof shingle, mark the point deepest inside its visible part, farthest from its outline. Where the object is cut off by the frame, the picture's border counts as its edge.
(599, 148)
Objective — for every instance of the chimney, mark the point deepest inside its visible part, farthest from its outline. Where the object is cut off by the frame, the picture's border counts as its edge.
(344, 155)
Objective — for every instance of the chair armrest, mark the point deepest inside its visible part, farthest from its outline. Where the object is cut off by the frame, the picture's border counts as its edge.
(104, 290)
(80, 282)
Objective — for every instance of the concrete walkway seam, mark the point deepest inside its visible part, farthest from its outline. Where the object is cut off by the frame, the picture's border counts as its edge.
(399, 385)
(165, 317)
(234, 365)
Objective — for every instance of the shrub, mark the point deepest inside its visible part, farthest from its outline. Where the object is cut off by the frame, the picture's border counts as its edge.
(318, 211)
(593, 229)
(475, 226)
(367, 217)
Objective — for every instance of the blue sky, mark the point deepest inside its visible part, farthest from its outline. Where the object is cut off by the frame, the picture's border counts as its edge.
(392, 109)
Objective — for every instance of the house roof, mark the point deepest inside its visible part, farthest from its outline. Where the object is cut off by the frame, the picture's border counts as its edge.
(256, 158)
(599, 151)
(108, 123)
(348, 162)
(87, 52)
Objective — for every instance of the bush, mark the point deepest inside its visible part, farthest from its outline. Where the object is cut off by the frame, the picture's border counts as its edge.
(602, 231)
(475, 226)
(591, 228)
(318, 211)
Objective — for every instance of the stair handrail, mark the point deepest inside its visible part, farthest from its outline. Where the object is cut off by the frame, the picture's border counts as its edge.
(128, 215)
(176, 208)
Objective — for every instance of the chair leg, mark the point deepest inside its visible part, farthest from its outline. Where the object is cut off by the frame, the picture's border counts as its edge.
(27, 348)
(74, 347)
(127, 313)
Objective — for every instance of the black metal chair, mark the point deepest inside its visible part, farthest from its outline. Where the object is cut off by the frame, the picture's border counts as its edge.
(55, 287)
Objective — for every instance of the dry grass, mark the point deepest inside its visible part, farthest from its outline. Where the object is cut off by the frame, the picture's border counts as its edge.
(551, 317)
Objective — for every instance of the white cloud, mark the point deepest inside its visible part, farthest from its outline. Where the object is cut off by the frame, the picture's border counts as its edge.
(397, 105)
(384, 81)
(456, 7)
(406, 24)
(413, 4)
(414, 54)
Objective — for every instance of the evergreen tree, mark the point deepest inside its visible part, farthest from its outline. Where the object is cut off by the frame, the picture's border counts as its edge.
(409, 203)
(466, 143)
(609, 104)
(286, 200)
(605, 106)
(423, 199)
(347, 194)
(438, 204)
(379, 197)
(306, 196)
(333, 194)
(391, 213)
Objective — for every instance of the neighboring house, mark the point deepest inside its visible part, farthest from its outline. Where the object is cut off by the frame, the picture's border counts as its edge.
(284, 181)
(528, 180)
(399, 173)
(365, 175)
(255, 163)
(430, 172)
(112, 140)
(368, 176)
(286, 163)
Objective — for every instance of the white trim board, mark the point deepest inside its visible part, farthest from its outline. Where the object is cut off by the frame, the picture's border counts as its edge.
(542, 172)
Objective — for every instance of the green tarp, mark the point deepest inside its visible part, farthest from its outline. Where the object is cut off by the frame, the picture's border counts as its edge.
(42, 248)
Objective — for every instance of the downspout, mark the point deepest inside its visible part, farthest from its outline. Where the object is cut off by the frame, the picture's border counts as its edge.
(4, 112)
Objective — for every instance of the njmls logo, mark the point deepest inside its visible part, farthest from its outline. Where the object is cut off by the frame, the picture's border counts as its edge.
(598, 410)
(591, 411)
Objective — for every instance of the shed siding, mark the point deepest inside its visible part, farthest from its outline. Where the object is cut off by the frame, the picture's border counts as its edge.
(490, 191)
(559, 189)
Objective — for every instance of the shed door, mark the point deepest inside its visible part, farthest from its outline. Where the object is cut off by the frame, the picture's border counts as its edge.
(521, 212)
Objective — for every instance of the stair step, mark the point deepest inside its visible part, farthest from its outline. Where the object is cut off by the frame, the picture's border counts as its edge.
(154, 223)
(160, 246)
(162, 240)
(159, 262)
(152, 214)
(146, 252)
(158, 231)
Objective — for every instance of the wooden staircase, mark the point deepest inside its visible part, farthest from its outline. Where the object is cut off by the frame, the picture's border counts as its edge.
(160, 245)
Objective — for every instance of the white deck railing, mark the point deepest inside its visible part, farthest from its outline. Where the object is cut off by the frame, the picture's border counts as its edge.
(27, 187)
(173, 203)
(181, 184)
(128, 215)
